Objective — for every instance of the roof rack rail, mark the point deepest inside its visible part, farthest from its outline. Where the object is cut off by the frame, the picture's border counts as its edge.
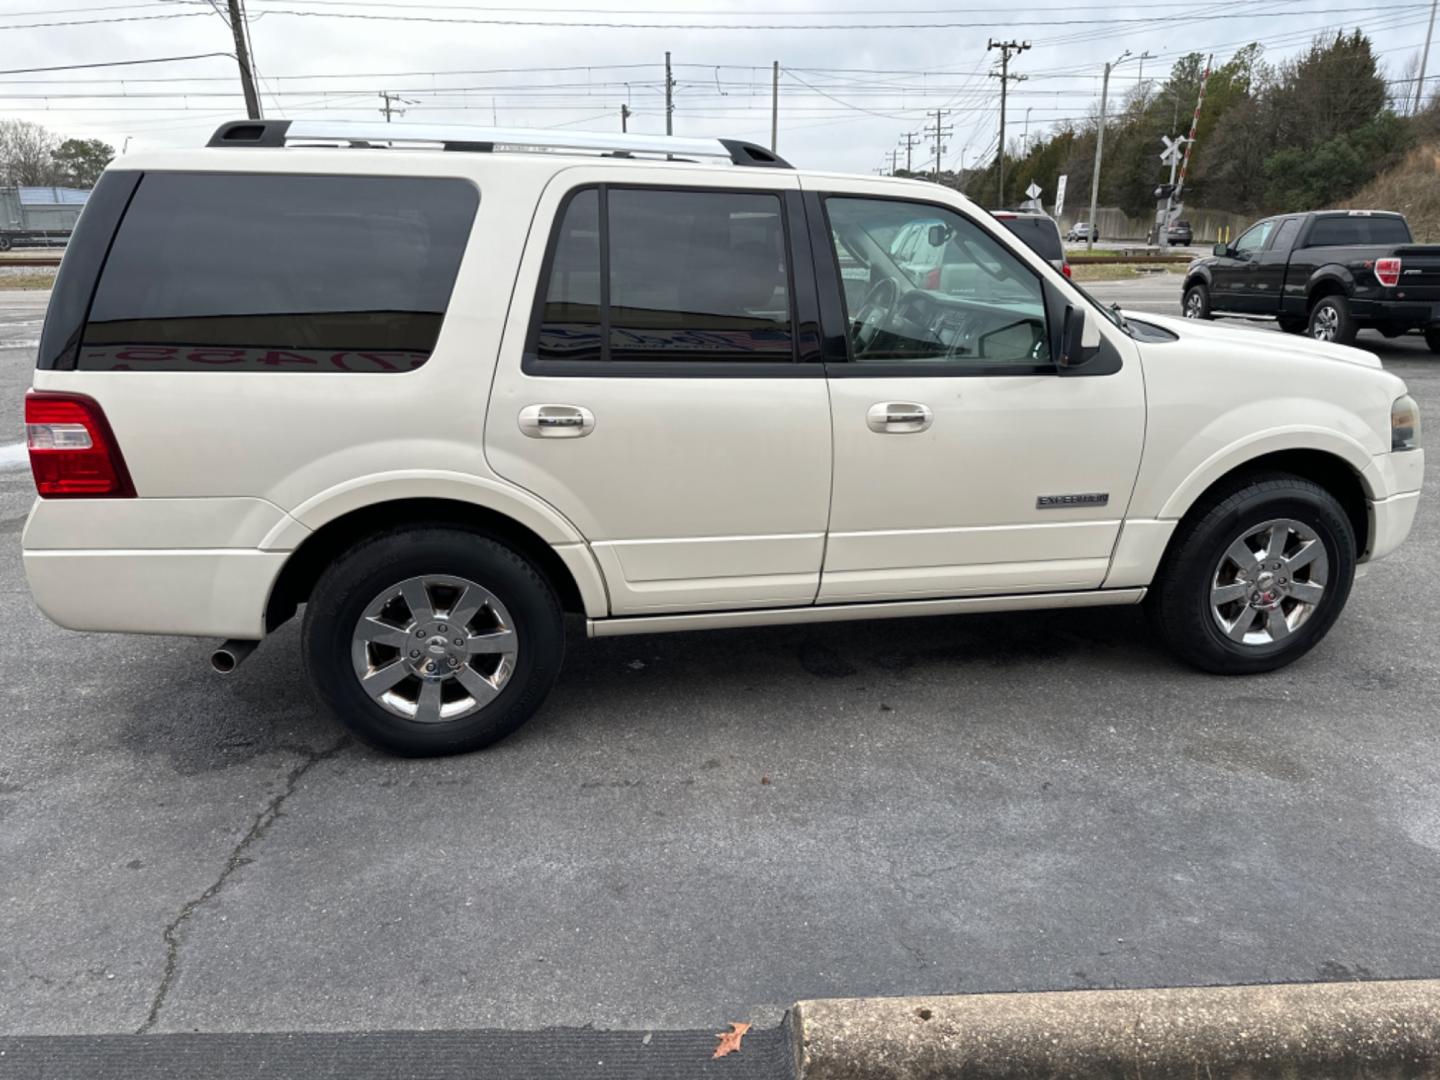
(278, 133)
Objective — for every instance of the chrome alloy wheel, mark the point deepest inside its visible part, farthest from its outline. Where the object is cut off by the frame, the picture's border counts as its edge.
(434, 648)
(1192, 304)
(1269, 582)
(1325, 324)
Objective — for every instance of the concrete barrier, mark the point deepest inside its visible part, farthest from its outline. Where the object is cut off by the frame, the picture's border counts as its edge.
(1311, 1031)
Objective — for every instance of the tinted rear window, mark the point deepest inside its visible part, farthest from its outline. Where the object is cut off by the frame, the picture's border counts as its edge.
(279, 273)
(1040, 233)
(1334, 231)
(692, 275)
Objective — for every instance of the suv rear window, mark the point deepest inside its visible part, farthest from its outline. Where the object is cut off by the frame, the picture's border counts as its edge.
(1336, 230)
(653, 274)
(1040, 234)
(233, 272)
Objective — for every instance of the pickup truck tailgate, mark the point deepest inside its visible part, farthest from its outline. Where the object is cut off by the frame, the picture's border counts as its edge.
(1419, 272)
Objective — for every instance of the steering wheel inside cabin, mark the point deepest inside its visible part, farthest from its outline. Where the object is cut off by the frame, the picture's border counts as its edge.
(874, 314)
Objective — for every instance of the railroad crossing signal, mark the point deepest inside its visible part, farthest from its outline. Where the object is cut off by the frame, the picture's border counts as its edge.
(1174, 149)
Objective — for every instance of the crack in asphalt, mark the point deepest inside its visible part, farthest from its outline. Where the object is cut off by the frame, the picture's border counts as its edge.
(258, 828)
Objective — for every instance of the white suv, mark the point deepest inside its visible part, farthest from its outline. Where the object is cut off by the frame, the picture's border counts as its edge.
(441, 398)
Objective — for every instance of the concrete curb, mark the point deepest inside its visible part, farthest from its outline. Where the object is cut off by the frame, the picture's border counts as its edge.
(1298, 1031)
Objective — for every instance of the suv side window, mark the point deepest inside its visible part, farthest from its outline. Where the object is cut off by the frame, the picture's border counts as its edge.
(270, 272)
(1253, 240)
(949, 295)
(663, 274)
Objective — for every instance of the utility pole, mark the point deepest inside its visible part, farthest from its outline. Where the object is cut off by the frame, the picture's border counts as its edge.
(911, 138)
(1006, 48)
(939, 133)
(624, 117)
(242, 57)
(774, 104)
(1025, 139)
(894, 158)
(1100, 148)
(1424, 56)
(669, 97)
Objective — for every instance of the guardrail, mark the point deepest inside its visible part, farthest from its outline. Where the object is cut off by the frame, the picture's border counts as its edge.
(1098, 258)
(30, 260)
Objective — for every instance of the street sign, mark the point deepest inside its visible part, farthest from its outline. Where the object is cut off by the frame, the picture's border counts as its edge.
(1060, 196)
(1033, 191)
(1174, 148)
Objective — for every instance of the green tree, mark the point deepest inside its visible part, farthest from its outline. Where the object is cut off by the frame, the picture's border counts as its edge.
(79, 162)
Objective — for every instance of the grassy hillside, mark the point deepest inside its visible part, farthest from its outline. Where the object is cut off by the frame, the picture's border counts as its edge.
(1413, 188)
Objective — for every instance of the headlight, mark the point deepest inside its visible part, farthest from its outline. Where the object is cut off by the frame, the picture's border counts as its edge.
(1405, 424)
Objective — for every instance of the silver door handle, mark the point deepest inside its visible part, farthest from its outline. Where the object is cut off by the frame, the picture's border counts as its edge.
(898, 417)
(556, 421)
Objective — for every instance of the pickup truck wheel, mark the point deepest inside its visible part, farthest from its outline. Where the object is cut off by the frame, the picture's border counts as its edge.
(432, 641)
(1330, 321)
(1256, 576)
(1197, 302)
(1432, 339)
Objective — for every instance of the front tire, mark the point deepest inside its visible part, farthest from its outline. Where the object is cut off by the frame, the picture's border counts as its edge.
(1256, 575)
(1196, 304)
(1330, 320)
(431, 641)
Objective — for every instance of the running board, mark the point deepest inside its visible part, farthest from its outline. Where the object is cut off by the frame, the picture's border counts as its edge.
(895, 609)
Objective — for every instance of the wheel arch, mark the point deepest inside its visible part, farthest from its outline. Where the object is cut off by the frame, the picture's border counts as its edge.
(569, 566)
(1199, 276)
(1328, 281)
(1326, 468)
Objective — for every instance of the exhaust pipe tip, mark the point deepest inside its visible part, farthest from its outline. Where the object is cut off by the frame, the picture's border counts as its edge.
(231, 655)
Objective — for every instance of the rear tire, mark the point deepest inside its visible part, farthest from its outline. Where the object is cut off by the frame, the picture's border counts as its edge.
(457, 637)
(1196, 304)
(1432, 339)
(1230, 621)
(1330, 320)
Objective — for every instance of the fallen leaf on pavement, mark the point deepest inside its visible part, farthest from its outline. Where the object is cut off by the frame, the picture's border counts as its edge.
(730, 1040)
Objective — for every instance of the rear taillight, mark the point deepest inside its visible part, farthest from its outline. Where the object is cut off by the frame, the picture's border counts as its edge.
(1387, 271)
(73, 453)
(1065, 269)
(932, 279)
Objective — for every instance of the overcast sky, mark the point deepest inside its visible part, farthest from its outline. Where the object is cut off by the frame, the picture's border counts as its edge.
(848, 95)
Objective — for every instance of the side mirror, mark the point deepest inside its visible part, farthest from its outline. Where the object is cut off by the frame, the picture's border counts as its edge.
(939, 234)
(1222, 250)
(1072, 338)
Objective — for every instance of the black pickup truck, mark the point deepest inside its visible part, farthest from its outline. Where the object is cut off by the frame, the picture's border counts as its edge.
(1328, 273)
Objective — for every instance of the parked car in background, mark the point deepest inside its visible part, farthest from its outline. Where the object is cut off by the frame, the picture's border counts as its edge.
(1179, 233)
(438, 397)
(1040, 232)
(1079, 230)
(1328, 273)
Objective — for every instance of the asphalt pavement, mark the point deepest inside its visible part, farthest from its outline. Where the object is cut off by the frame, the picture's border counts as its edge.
(703, 828)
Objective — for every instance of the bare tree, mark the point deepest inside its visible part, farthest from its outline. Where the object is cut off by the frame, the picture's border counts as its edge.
(26, 153)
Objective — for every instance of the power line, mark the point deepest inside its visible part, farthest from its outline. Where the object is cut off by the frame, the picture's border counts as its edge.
(116, 63)
(609, 25)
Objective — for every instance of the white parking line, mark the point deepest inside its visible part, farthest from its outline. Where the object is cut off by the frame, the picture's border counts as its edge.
(14, 457)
